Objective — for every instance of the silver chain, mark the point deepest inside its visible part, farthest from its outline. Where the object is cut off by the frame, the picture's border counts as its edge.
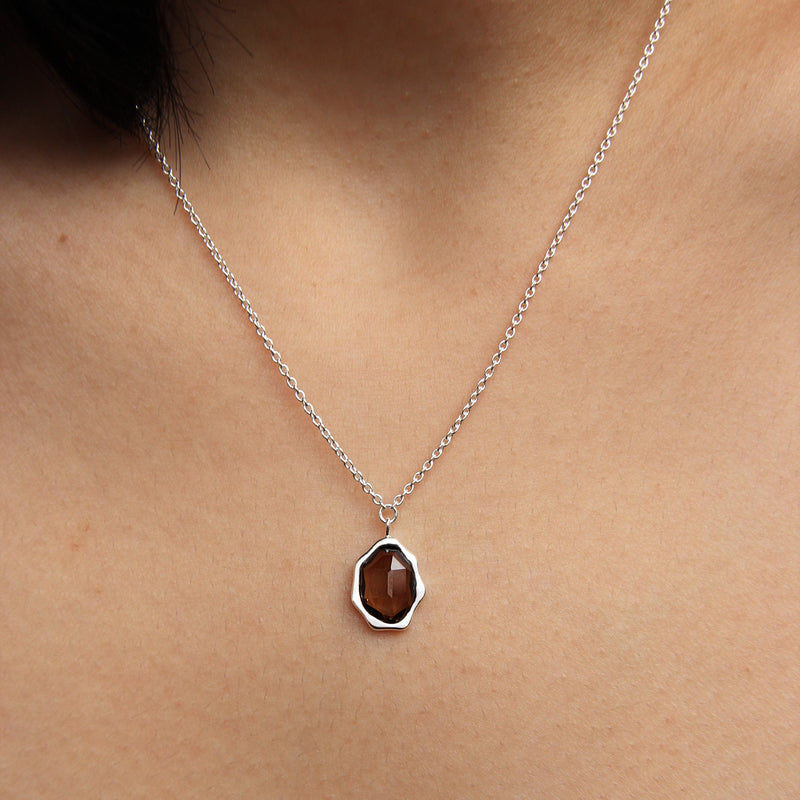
(388, 511)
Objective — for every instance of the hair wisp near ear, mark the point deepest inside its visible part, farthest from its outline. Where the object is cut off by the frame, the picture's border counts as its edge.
(115, 58)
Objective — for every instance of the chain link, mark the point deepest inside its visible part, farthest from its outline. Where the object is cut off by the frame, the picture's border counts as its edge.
(388, 511)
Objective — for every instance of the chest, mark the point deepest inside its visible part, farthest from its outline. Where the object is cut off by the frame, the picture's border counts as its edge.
(607, 546)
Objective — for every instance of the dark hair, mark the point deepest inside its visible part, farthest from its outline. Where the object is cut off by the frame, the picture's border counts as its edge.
(114, 57)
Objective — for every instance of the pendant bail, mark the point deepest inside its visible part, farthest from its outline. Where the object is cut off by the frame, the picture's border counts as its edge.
(385, 518)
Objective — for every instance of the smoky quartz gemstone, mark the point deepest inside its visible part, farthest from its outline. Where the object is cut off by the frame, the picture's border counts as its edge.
(387, 584)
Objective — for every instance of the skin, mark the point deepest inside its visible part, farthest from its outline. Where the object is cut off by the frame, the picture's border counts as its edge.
(610, 544)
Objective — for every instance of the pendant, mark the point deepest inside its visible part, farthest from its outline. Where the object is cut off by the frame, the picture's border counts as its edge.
(387, 586)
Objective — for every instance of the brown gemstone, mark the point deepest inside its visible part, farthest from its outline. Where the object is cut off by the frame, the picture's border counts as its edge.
(387, 584)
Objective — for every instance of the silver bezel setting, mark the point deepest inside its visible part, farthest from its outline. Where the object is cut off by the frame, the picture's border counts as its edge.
(374, 622)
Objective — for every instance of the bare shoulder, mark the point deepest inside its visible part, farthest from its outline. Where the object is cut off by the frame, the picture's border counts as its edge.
(730, 159)
(737, 97)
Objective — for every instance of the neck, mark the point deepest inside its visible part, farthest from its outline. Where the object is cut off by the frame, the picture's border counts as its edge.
(397, 74)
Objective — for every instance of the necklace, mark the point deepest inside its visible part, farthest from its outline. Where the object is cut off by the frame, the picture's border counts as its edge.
(387, 586)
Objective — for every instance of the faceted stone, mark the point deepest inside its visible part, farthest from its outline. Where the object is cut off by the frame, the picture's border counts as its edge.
(387, 584)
